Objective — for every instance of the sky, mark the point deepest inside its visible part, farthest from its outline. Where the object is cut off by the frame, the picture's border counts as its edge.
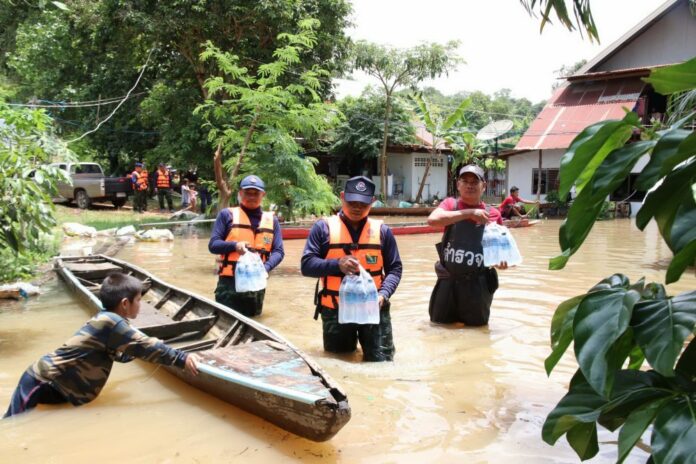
(500, 42)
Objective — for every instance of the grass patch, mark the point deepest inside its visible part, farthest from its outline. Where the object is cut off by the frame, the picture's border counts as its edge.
(107, 217)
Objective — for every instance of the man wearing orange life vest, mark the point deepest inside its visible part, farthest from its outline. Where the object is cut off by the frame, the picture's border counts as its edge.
(139, 181)
(336, 246)
(163, 186)
(245, 229)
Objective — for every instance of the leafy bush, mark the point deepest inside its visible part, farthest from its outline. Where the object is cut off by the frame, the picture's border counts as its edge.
(617, 326)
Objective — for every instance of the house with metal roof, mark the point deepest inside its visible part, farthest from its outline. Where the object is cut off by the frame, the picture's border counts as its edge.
(605, 88)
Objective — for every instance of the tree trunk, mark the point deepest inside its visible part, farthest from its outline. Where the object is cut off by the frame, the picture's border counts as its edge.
(224, 192)
(425, 176)
(383, 155)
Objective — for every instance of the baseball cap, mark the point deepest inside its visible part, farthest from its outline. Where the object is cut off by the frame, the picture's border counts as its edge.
(138, 165)
(252, 182)
(472, 168)
(360, 189)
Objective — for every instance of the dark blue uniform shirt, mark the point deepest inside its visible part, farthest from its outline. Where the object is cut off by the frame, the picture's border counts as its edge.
(314, 263)
(223, 224)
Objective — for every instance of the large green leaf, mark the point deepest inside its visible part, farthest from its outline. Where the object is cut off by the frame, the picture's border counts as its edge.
(583, 439)
(590, 147)
(456, 115)
(672, 148)
(581, 405)
(687, 362)
(588, 204)
(561, 331)
(675, 78)
(682, 260)
(661, 326)
(674, 432)
(636, 423)
(633, 389)
(601, 320)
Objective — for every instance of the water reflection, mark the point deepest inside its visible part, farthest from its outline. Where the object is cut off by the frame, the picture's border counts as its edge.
(452, 394)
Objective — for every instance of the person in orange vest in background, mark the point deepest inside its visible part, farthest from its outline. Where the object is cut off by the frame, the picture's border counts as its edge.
(163, 187)
(245, 229)
(335, 247)
(139, 181)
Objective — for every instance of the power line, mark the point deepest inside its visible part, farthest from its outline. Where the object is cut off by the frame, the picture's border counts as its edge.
(142, 71)
(85, 104)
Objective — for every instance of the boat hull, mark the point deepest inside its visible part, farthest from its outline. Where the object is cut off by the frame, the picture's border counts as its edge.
(243, 362)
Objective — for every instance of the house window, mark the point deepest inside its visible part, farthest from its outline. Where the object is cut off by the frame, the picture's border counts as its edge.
(549, 180)
(627, 190)
(421, 161)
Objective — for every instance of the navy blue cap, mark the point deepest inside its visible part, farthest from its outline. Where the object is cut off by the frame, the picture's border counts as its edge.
(360, 189)
(138, 165)
(252, 182)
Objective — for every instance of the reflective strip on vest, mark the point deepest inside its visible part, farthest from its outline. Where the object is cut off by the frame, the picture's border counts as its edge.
(163, 179)
(241, 231)
(368, 251)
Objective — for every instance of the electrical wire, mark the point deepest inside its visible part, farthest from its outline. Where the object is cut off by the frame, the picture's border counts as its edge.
(142, 71)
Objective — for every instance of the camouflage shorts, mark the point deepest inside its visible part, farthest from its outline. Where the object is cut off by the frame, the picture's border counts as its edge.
(248, 303)
(376, 340)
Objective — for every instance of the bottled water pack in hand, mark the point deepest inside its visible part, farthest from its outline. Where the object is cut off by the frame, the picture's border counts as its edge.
(499, 245)
(358, 301)
(250, 274)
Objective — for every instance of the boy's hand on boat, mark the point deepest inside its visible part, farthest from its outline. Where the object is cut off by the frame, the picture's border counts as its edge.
(191, 361)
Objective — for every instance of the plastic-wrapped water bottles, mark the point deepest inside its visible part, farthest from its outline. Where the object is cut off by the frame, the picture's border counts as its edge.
(250, 274)
(499, 245)
(358, 300)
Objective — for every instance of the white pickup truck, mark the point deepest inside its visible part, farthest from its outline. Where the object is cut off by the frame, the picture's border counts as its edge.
(89, 184)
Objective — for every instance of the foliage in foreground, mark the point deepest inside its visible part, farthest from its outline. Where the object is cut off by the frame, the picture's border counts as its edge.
(617, 326)
(26, 188)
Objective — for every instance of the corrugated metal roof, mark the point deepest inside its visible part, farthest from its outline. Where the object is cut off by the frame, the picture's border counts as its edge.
(576, 106)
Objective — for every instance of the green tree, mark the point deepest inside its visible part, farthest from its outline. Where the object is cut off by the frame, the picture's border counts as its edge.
(258, 119)
(94, 50)
(395, 68)
(358, 138)
(26, 187)
(442, 127)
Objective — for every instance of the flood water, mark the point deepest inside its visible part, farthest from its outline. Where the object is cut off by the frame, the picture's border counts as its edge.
(453, 394)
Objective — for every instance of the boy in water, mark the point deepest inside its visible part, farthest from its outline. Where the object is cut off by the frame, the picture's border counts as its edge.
(77, 371)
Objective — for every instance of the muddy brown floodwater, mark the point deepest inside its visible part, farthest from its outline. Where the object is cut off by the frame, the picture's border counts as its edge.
(453, 394)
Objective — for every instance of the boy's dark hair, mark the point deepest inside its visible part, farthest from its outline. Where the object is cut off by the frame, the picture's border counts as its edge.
(116, 287)
(514, 189)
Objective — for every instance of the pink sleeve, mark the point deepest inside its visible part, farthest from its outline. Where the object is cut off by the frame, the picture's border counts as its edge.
(448, 204)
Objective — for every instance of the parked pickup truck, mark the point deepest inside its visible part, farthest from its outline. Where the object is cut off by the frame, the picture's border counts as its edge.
(89, 184)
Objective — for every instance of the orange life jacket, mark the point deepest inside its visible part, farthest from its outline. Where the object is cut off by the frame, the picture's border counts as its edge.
(241, 231)
(368, 251)
(163, 179)
(141, 180)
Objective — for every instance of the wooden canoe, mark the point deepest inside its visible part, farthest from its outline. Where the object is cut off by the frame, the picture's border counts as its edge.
(244, 362)
(297, 232)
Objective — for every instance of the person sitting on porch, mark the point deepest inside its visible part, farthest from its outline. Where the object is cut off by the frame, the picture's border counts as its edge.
(513, 205)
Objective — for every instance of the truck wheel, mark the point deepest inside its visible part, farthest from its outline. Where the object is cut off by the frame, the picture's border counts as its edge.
(82, 199)
(118, 202)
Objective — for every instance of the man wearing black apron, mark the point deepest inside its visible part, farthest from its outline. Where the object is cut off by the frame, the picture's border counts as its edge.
(465, 287)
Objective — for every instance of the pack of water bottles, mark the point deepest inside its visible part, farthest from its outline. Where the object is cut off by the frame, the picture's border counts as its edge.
(358, 301)
(250, 274)
(499, 246)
